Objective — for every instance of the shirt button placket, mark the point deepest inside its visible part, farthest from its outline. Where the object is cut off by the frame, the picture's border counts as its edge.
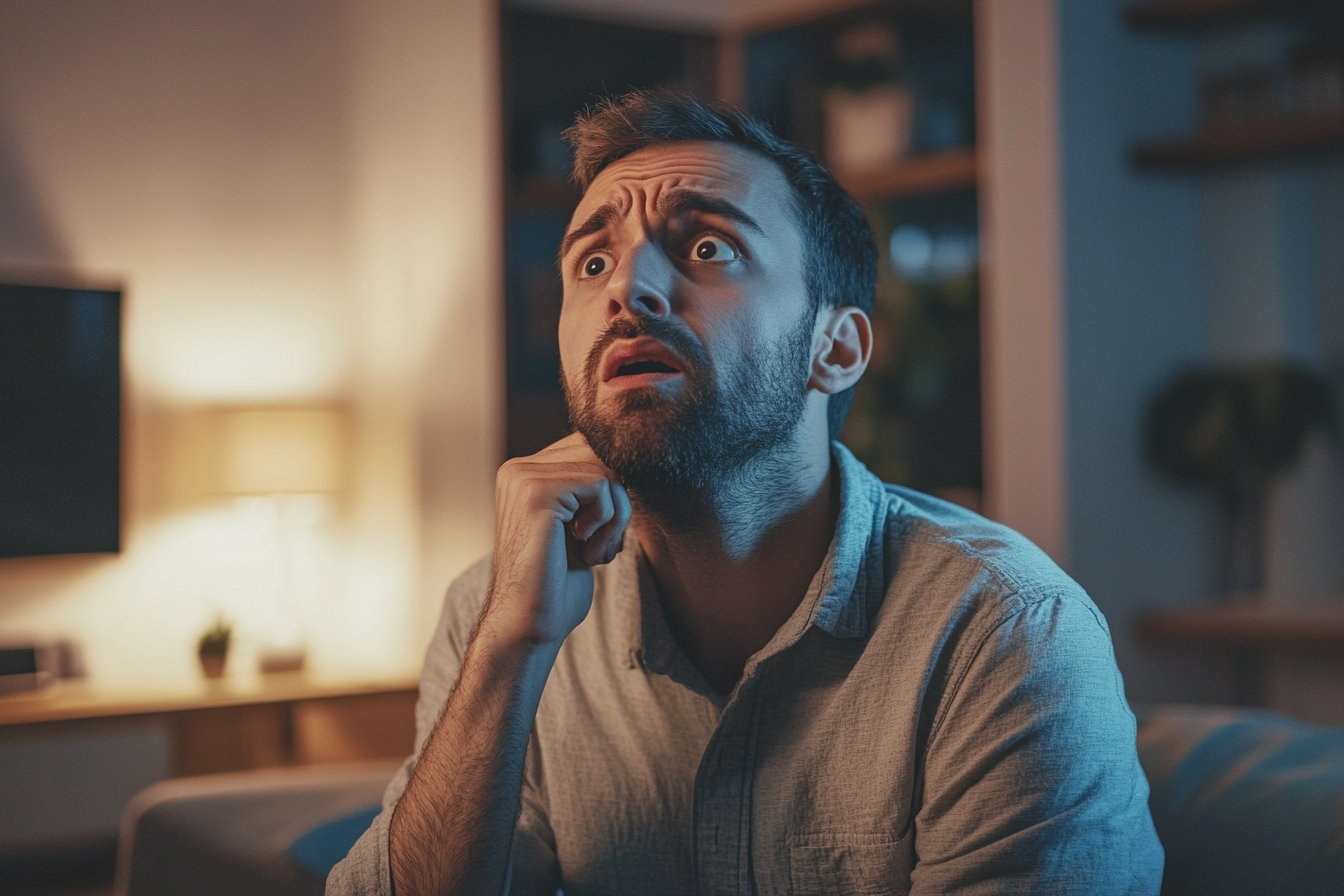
(721, 812)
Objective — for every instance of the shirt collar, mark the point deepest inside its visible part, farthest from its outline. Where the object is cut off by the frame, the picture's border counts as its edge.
(848, 588)
(842, 599)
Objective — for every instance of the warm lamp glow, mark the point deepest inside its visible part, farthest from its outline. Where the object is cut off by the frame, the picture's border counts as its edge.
(265, 451)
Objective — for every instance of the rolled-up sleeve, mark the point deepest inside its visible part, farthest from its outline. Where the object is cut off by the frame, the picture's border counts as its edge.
(1032, 782)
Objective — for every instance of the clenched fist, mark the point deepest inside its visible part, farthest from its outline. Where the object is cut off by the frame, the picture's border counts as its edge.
(558, 513)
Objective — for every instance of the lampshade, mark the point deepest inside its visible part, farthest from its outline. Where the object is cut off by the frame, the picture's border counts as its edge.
(264, 451)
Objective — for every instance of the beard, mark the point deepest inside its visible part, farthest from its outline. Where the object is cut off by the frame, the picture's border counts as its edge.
(716, 430)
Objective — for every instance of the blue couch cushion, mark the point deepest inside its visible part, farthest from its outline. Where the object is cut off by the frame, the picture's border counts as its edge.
(321, 848)
(1245, 801)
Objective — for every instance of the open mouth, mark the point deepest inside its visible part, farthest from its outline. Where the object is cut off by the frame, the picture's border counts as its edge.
(635, 368)
(639, 362)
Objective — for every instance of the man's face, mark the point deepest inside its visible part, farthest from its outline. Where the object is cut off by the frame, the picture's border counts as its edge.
(686, 330)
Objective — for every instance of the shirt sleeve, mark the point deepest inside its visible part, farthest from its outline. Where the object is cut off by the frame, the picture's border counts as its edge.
(367, 868)
(1032, 782)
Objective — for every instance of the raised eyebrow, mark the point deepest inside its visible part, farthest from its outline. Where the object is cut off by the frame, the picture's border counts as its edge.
(596, 221)
(680, 202)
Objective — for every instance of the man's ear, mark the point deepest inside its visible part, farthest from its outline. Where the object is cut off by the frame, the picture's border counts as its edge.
(841, 347)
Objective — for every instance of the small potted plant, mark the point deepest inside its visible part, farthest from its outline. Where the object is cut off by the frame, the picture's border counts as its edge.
(1231, 432)
(213, 648)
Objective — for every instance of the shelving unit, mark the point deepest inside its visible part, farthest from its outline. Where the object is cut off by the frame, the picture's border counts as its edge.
(1268, 141)
(1252, 639)
(1250, 636)
(1258, 629)
(1271, 139)
(1200, 15)
(954, 169)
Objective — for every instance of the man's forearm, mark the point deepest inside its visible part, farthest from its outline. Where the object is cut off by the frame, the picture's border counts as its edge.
(557, 513)
(452, 830)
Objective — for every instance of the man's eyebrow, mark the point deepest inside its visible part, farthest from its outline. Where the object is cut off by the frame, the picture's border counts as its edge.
(681, 202)
(596, 221)
(670, 205)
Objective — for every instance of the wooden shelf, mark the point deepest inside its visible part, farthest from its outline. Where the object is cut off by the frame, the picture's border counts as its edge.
(1271, 140)
(952, 170)
(1256, 629)
(1200, 15)
(85, 700)
(237, 722)
(918, 175)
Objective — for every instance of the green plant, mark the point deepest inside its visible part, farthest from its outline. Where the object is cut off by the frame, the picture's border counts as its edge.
(215, 640)
(1230, 432)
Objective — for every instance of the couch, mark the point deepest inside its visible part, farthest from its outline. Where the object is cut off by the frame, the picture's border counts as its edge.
(1246, 802)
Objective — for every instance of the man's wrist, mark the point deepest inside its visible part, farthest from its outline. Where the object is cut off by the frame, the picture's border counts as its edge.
(509, 638)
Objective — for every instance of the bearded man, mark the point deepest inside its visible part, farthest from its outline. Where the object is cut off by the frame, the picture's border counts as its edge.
(712, 653)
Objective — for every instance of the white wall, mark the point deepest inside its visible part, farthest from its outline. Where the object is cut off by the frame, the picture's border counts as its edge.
(300, 199)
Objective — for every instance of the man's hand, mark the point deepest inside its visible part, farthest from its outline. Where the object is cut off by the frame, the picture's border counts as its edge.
(558, 513)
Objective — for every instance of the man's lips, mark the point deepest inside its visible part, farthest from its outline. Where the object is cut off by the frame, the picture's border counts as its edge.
(632, 363)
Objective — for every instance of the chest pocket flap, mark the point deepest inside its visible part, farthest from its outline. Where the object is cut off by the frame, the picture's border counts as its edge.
(859, 864)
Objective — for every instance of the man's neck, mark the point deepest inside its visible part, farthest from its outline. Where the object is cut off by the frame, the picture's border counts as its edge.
(729, 581)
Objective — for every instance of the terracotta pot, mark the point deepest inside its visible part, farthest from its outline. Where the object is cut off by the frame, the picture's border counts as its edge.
(212, 664)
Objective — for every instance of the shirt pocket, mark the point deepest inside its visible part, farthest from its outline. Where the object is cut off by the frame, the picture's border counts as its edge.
(858, 864)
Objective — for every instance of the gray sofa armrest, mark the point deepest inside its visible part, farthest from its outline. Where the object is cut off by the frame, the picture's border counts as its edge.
(231, 833)
(1246, 802)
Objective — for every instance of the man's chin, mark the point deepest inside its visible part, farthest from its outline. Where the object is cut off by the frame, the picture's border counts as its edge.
(635, 447)
(615, 405)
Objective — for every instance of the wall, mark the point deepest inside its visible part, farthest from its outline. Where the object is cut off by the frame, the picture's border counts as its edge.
(1133, 315)
(300, 200)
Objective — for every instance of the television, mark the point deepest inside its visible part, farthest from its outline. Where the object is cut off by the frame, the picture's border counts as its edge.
(60, 420)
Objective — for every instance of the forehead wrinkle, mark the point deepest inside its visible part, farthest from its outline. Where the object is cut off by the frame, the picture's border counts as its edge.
(679, 201)
(669, 187)
(598, 220)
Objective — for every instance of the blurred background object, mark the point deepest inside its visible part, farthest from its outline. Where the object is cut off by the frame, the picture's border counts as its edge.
(212, 648)
(60, 420)
(1232, 433)
(286, 465)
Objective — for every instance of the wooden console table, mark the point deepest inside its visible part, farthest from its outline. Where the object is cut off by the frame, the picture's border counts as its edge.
(231, 724)
(1250, 634)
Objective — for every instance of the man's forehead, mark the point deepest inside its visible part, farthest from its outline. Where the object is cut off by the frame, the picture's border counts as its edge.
(725, 170)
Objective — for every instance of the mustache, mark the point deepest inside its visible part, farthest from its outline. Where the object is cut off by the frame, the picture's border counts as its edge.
(669, 334)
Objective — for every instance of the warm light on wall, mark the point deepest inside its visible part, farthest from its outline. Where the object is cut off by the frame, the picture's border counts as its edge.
(265, 451)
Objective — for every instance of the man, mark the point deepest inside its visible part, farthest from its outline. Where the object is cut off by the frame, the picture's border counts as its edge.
(713, 653)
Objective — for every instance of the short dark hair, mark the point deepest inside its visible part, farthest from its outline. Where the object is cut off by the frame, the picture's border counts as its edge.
(840, 257)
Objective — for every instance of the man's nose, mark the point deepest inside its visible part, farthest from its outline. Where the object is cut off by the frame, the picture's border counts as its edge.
(642, 283)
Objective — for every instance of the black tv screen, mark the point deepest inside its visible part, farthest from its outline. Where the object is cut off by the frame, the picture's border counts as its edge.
(60, 420)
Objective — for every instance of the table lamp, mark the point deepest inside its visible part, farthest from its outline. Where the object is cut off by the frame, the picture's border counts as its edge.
(277, 460)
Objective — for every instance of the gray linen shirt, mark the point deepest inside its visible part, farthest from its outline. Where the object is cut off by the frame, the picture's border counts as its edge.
(941, 714)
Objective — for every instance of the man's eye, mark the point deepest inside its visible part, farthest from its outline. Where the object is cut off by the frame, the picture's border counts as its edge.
(712, 248)
(596, 264)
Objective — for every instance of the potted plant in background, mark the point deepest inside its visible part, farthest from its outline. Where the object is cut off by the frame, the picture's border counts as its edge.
(213, 648)
(1231, 432)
